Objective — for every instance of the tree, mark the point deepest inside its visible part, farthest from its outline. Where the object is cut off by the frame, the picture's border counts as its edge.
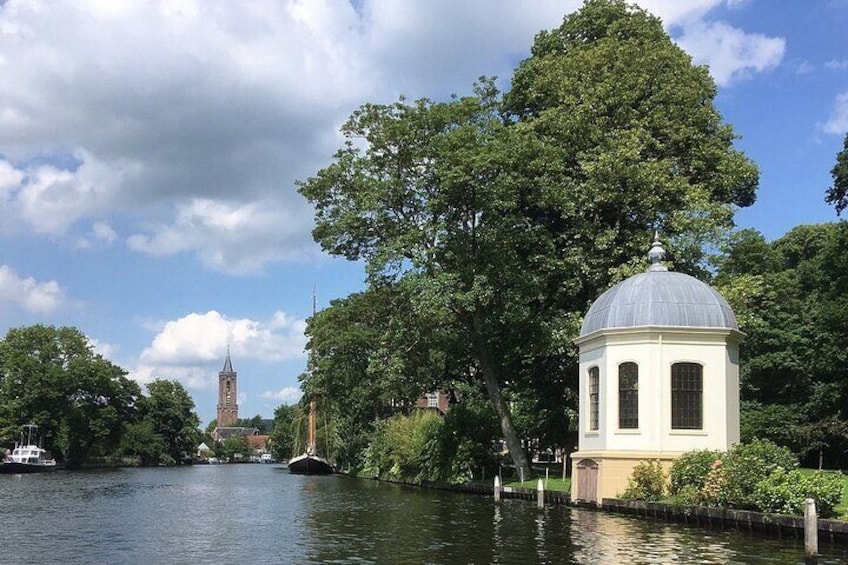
(169, 411)
(507, 225)
(282, 435)
(790, 298)
(51, 377)
(838, 193)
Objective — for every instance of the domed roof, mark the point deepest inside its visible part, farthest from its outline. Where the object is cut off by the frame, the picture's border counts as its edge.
(659, 298)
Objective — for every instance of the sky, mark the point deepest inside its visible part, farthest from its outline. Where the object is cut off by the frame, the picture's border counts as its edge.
(149, 152)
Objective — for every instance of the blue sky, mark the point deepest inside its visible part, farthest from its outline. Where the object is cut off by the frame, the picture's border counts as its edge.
(148, 152)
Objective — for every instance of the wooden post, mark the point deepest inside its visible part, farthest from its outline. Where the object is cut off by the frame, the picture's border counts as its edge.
(497, 489)
(540, 494)
(811, 532)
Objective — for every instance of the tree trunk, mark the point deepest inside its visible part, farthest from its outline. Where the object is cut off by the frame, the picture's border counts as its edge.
(490, 378)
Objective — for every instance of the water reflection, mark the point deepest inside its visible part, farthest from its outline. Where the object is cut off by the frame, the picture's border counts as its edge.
(262, 514)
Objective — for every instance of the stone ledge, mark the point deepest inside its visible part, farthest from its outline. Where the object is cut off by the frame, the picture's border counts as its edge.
(748, 520)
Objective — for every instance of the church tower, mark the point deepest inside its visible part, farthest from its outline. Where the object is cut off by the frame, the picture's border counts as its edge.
(227, 394)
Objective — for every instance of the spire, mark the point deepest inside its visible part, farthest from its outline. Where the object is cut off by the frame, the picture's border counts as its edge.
(228, 365)
(656, 255)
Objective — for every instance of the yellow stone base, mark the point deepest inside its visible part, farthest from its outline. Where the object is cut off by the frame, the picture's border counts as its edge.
(596, 475)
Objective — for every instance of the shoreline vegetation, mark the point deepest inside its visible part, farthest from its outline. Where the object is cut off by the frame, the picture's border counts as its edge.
(833, 530)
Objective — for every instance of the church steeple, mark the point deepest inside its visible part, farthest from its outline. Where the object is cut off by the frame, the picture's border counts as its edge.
(228, 365)
(227, 394)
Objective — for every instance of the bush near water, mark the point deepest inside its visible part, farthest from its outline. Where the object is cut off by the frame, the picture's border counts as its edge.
(759, 475)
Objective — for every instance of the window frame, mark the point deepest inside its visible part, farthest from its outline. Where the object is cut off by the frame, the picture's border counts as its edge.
(687, 396)
(628, 396)
(593, 386)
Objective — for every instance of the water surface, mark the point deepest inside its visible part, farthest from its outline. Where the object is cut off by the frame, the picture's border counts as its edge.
(262, 514)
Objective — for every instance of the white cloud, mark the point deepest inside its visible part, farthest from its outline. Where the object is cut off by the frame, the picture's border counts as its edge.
(201, 338)
(729, 52)
(837, 64)
(33, 296)
(107, 350)
(189, 121)
(192, 377)
(837, 123)
(286, 395)
(234, 238)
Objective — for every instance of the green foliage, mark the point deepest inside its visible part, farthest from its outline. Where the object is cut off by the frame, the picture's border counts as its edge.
(784, 492)
(838, 193)
(234, 445)
(689, 472)
(406, 447)
(51, 377)
(283, 433)
(744, 466)
(647, 482)
(168, 411)
(791, 299)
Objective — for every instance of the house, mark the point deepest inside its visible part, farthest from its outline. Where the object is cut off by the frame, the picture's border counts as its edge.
(438, 400)
(659, 376)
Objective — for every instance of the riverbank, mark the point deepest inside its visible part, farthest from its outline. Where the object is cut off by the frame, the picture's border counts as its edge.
(773, 525)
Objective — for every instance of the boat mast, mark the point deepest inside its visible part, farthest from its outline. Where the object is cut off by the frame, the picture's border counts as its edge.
(310, 432)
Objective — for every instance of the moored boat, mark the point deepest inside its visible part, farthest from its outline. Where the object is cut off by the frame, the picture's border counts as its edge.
(309, 463)
(28, 456)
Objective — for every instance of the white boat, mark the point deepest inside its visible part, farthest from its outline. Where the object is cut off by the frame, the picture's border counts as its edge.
(28, 457)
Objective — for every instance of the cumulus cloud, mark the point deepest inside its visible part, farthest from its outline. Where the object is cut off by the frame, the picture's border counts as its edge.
(193, 378)
(729, 52)
(286, 395)
(188, 121)
(837, 123)
(29, 294)
(234, 238)
(201, 338)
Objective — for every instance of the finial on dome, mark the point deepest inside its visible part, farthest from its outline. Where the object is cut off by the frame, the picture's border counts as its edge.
(656, 255)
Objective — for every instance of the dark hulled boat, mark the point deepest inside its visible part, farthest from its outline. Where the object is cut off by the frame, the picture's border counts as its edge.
(309, 463)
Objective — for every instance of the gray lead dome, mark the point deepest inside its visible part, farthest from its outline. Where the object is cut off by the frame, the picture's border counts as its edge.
(659, 298)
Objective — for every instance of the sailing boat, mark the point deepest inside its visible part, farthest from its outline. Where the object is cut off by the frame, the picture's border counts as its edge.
(309, 463)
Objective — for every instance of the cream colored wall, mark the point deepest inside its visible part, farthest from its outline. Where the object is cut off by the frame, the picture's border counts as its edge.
(615, 470)
(654, 350)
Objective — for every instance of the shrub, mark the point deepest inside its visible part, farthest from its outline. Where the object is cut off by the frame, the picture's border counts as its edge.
(743, 467)
(784, 492)
(647, 481)
(690, 471)
(406, 447)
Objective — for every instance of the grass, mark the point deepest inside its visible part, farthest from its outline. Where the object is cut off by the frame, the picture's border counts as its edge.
(557, 484)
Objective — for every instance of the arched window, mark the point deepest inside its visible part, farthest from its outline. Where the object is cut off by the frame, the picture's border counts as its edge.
(594, 397)
(687, 396)
(628, 396)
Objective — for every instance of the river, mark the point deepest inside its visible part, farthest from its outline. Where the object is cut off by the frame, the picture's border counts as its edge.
(262, 514)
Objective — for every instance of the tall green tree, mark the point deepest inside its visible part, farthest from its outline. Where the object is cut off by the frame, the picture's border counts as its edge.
(838, 193)
(790, 298)
(507, 217)
(169, 411)
(51, 377)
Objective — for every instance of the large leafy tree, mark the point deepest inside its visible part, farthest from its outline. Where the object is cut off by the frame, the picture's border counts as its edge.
(838, 193)
(53, 378)
(169, 412)
(506, 217)
(790, 297)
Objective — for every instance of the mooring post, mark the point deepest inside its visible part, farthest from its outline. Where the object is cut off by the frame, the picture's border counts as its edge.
(540, 494)
(811, 532)
(497, 489)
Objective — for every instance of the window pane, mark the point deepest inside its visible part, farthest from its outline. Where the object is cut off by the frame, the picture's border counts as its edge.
(628, 395)
(593, 398)
(687, 396)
